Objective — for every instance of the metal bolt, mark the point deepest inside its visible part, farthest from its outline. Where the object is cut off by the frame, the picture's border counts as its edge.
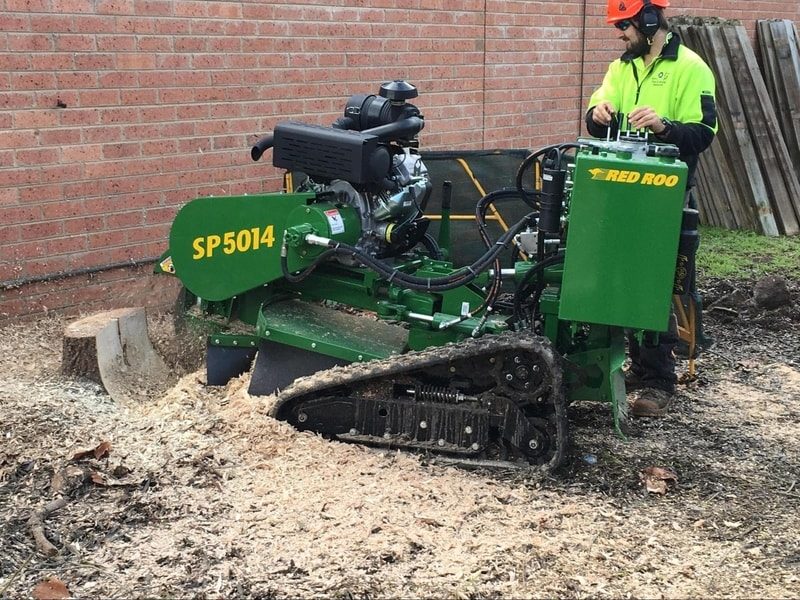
(354, 432)
(533, 444)
(313, 344)
(266, 333)
(452, 369)
(252, 343)
(509, 377)
(235, 342)
(517, 359)
(387, 435)
(360, 357)
(441, 442)
(475, 446)
(467, 429)
(423, 425)
(535, 368)
(492, 360)
(527, 385)
(302, 417)
(216, 340)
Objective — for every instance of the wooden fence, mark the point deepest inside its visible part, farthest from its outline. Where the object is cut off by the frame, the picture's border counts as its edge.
(748, 179)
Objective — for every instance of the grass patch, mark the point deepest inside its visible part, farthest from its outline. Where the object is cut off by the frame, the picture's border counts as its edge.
(729, 254)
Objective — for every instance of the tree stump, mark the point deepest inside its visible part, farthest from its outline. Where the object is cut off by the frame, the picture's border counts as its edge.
(112, 348)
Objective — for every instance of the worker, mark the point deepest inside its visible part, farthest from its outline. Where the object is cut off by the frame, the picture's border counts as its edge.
(663, 88)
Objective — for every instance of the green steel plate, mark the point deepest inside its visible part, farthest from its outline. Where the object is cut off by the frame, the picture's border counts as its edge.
(322, 329)
(624, 224)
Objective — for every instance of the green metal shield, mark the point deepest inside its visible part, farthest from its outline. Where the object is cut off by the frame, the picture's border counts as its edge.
(223, 246)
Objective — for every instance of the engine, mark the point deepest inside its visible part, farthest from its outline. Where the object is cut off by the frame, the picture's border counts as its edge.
(366, 160)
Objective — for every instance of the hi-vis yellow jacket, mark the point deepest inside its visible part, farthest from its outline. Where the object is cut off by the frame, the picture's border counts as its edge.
(678, 85)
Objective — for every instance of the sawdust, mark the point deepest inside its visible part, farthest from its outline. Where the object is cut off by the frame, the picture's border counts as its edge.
(203, 495)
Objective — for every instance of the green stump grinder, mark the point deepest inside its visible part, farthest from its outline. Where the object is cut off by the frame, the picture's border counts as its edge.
(364, 330)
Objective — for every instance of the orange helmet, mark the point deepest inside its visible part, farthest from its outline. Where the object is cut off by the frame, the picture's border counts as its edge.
(619, 10)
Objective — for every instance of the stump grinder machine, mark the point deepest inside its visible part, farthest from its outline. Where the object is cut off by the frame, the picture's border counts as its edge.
(367, 333)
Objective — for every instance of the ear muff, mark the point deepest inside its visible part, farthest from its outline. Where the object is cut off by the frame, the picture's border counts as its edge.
(648, 19)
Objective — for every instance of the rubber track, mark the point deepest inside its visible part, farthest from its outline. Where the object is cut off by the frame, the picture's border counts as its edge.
(469, 348)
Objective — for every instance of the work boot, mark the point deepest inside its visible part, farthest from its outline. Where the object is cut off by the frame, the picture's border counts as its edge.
(650, 402)
(633, 381)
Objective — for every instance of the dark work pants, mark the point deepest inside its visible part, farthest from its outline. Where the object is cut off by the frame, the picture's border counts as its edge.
(653, 361)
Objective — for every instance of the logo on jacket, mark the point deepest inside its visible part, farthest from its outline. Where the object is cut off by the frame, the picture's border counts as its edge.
(622, 6)
(660, 79)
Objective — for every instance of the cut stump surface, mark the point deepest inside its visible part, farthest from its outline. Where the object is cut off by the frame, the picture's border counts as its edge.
(113, 349)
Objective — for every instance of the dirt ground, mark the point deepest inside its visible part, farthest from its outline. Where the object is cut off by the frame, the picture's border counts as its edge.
(199, 494)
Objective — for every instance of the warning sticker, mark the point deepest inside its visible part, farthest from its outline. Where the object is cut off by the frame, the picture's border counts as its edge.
(335, 221)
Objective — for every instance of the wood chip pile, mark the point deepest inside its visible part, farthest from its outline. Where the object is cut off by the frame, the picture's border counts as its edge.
(748, 178)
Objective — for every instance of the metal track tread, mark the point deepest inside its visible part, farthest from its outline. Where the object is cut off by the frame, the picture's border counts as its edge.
(492, 400)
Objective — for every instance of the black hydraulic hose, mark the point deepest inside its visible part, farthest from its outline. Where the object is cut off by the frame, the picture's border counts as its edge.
(480, 218)
(535, 271)
(461, 277)
(432, 246)
(530, 196)
(305, 272)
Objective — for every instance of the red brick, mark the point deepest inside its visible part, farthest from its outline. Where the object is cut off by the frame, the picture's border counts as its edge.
(104, 134)
(43, 230)
(156, 114)
(30, 42)
(71, 6)
(137, 97)
(154, 7)
(154, 44)
(33, 119)
(84, 225)
(125, 220)
(57, 137)
(94, 61)
(104, 239)
(191, 8)
(27, 5)
(11, 100)
(118, 80)
(115, 7)
(75, 43)
(6, 156)
(33, 81)
(34, 157)
(135, 60)
(122, 150)
(115, 187)
(116, 43)
(82, 153)
(16, 61)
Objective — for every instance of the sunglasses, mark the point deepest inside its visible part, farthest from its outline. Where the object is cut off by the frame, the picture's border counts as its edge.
(623, 25)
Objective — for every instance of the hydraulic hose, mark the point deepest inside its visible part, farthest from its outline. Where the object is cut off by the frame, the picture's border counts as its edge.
(463, 276)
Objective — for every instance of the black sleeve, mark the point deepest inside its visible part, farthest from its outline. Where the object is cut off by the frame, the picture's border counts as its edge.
(690, 138)
(595, 130)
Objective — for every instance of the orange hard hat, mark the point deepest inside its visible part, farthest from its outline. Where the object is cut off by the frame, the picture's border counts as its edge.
(619, 10)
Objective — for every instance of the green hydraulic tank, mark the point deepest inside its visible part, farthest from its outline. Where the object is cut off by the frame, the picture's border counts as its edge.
(624, 222)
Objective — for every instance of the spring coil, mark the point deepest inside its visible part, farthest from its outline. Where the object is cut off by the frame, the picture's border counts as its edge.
(432, 393)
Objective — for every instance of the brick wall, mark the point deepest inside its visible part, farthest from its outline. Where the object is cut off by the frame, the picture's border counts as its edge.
(116, 112)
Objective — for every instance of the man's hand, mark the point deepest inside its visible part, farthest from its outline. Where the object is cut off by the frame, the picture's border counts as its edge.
(603, 113)
(645, 117)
